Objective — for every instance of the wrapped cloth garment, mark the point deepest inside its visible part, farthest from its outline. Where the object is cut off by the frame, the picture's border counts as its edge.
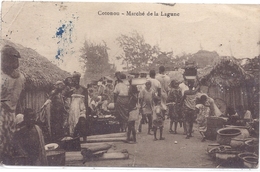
(165, 81)
(30, 141)
(77, 109)
(11, 89)
(122, 108)
(147, 97)
(202, 117)
(158, 117)
(174, 99)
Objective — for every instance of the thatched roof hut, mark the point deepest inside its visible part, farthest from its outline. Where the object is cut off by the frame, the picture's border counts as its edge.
(40, 76)
(39, 72)
(252, 66)
(229, 82)
(227, 73)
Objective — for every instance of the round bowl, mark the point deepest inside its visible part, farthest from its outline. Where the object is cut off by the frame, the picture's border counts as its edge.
(252, 145)
(225, 135)
(238, 143)
(229, 132)
(51, 146)
(250, 161)
(245, 154)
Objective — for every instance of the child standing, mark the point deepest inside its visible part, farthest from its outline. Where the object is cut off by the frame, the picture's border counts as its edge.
(133, 112)
(146, 102)
(203, 112)
(158, 118)
(173, 101)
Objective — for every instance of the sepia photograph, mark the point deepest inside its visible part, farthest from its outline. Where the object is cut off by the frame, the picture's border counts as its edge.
(129, 85)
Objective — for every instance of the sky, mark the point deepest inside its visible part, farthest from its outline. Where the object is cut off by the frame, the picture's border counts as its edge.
(58, 30)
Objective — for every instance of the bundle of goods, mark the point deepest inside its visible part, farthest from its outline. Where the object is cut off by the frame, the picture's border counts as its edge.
(190, 72)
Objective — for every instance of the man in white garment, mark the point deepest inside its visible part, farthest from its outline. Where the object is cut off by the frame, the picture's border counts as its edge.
(156, 85)
(165, 81)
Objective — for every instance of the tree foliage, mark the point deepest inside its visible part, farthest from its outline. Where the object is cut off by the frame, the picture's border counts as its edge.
(164, 59)
(96, 61)
(138, 55)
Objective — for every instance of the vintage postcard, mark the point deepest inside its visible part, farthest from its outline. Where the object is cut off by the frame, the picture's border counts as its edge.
(129, 85)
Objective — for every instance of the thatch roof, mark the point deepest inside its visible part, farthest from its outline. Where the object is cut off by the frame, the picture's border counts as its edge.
(39, 72)
(252, 66)
(227, 73)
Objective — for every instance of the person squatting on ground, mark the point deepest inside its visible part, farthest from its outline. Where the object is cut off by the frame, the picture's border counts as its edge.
(12, 84)
(146, 102)
(188, 107)
(29, 141)
(158, 118)
(173, 101)
(203, 111)
(133, 112)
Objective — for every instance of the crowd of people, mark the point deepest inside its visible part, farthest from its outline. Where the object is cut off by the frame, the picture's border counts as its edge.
(160, 98)
(163, 98)
(72, 105)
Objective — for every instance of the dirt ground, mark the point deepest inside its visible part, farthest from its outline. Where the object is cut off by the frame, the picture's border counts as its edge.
(187, 153)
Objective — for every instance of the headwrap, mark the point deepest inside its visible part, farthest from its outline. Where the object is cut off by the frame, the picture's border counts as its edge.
(59, 82)
(8, 51)
(76, 74)
(174, 83)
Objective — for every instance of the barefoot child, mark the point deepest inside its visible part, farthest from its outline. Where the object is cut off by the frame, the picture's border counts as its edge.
(146, 103)
(158, 118)
(133, 112)
(203, 112)
(173, 101)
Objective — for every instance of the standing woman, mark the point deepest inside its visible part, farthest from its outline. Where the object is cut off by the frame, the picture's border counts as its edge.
(58, 111)
(79, 105)
(189, 106)
(12, 84)
(121, 99)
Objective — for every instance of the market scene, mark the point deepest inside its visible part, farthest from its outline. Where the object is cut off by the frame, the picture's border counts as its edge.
(197, 110)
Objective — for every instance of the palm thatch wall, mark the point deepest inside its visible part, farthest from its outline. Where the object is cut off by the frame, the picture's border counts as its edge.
(40, 75)
(229, 82)
(253, 68)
